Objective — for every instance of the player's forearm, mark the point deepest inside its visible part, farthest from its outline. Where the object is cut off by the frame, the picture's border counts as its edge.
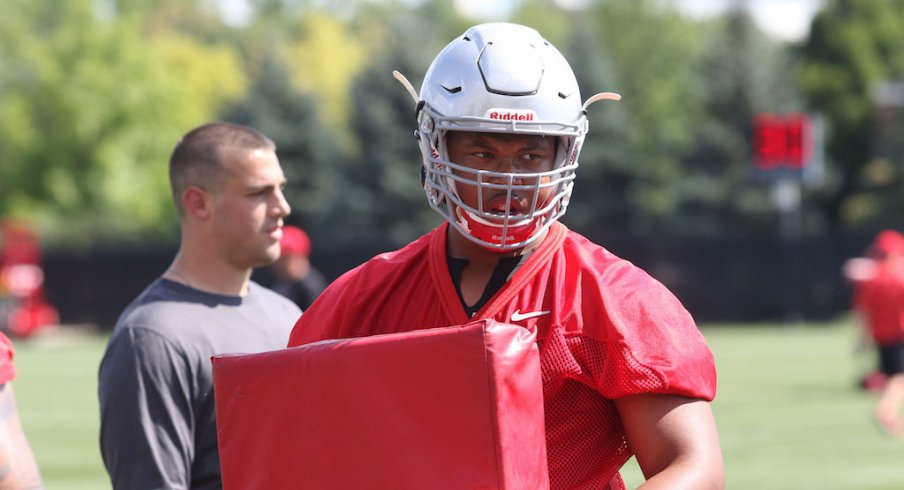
(675, 441)
(18, 469)
(690, 475)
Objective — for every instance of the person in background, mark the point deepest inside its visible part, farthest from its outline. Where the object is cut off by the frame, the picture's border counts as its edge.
(24, 309)
(18, 469)
(295, 277)
(500, 124)
(878, 283)
(155, 382)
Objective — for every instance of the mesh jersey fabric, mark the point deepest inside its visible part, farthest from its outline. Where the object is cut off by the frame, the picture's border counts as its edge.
(881, 301)
(7, 368)
(605, 330)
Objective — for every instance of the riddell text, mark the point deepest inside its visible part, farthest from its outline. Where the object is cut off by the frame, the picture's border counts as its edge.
(511, 116)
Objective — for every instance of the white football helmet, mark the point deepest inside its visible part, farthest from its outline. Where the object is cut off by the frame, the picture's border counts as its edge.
(500, 78)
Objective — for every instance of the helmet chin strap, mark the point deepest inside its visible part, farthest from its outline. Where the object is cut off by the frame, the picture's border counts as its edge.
(496, 237)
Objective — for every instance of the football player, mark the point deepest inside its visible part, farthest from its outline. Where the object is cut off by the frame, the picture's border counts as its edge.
(18, 469)
(879, 299)
(500, 124)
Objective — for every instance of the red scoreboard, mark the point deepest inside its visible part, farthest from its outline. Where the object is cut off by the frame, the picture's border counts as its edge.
(782, 141)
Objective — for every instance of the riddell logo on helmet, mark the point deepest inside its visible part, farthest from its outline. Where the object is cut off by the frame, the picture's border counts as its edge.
(511, 114)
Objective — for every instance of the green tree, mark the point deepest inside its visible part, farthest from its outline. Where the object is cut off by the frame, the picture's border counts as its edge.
(325, 60)
(601, 199)
(385, 199)
(853, 46)
(306, 148)
(742, 73)
(90, 107)
(653, 65)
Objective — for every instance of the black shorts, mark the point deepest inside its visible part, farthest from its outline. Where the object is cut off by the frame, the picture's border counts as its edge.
(891, 358)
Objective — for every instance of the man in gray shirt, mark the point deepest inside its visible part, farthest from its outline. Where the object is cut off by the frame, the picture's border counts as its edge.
(155, 383)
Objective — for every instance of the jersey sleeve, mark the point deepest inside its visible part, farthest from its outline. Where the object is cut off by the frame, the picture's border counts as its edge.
(7, 368)
(653, 344)
(360, 301)
(147, 419)
(324, 318)
(338, 310)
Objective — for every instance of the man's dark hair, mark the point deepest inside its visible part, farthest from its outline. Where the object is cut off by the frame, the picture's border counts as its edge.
(197, 157)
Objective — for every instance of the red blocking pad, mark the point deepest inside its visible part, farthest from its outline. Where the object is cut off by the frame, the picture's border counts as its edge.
(444, 408)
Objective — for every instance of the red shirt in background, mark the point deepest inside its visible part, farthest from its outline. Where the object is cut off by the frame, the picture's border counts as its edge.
(880, 299)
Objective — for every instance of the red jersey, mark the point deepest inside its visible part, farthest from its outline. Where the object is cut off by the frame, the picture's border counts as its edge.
(605, 329)
(881, 301)
(7, 369)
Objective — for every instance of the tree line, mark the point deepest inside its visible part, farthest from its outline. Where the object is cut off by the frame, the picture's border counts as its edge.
(94, 93)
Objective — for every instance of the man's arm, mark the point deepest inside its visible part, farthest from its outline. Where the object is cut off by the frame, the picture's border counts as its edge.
(18, 469)
(147, 423)
(675, 441)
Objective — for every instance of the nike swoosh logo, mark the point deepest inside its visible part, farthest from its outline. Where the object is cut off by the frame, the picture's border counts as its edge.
(517, 316)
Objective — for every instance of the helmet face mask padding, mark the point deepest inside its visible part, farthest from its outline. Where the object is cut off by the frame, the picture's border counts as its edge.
(499, 78)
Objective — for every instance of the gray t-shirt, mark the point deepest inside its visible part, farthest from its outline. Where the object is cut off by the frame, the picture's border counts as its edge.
(156, 385)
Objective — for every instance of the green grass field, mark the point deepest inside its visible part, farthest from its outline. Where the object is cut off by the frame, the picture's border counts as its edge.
(788, 413)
